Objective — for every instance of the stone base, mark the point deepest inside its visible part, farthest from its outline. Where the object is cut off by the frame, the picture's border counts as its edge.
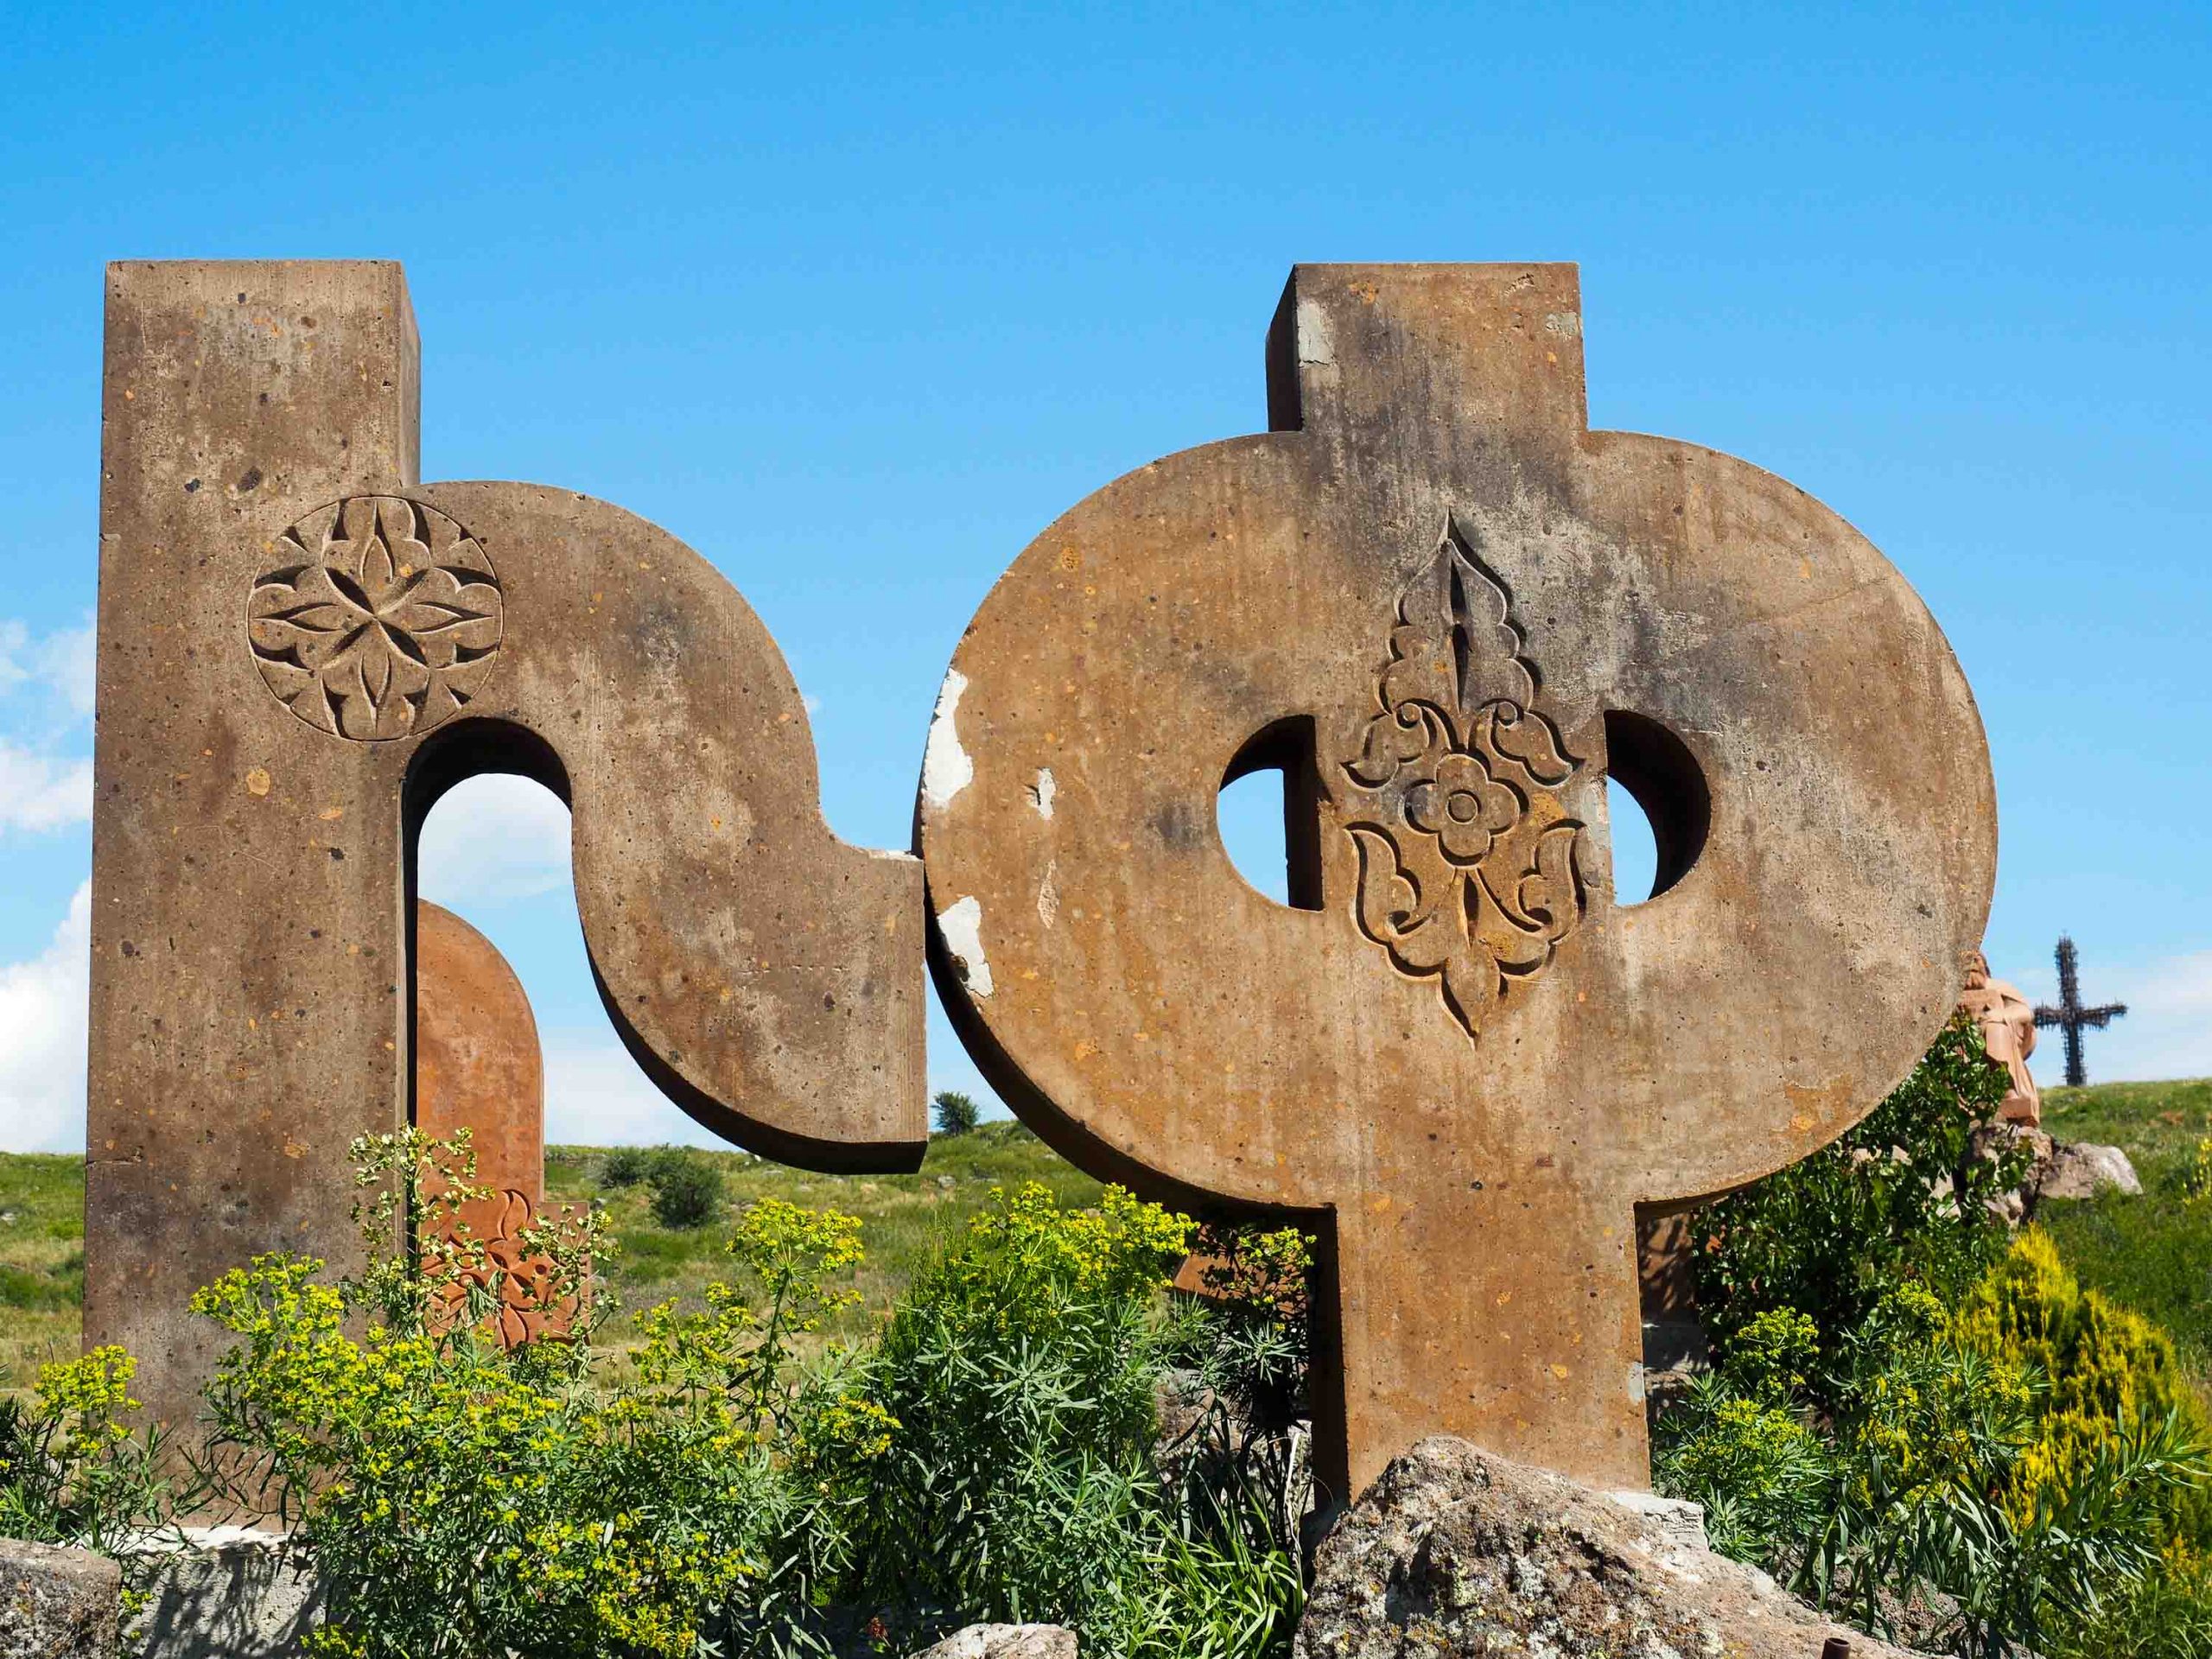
(1456, 1552)
(227, 1593)
(57, 1604)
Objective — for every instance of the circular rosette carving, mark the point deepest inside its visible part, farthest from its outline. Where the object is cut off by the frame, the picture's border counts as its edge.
(381, 618)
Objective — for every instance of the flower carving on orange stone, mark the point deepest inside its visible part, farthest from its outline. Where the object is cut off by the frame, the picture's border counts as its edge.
(1466, 852)
(381, 619)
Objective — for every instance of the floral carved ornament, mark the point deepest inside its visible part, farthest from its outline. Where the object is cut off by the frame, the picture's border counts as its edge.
(379, 619)
(1466, 854)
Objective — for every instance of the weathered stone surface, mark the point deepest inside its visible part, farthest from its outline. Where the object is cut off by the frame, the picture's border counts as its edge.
(58, 1604)
(300, 648)
(2007, 1019)
(228, 1592)
(478, 1067)
(2083, 1170)
(1454, 1551)
(1004, 1642)
(1447, 612)
(1991, 1141)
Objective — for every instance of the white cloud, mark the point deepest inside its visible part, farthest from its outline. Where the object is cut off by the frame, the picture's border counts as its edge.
(68, 662)
(42, 791)
(496, 837)
(42, 1039)
(62, 662)
(2167, 1031)
(596, 1096)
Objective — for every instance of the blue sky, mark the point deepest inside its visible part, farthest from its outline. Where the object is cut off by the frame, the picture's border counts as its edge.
(856, 305)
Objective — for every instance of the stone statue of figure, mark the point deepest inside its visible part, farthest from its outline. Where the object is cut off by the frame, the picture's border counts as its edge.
(2008, 1032)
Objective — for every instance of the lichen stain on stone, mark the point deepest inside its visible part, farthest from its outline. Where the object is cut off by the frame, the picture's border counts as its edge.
(962, 924)
(946, 769)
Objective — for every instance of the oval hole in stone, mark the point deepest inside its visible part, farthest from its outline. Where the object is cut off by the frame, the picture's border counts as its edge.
(1635, 854)
(1654, 772)
(1269, 815)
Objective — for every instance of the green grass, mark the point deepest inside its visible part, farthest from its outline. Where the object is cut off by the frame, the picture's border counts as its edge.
(904, 1221)
(2152, 1254)
(42, 1261)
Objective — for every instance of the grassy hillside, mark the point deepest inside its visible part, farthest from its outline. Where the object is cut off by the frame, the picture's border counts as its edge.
(903, 1217)
(2154, 1254)
(2150, 1253)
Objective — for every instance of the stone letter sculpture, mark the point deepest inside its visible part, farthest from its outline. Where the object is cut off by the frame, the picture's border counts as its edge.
(300, 645)
(478, 1067)
(1449, 611)
(2007, 1019)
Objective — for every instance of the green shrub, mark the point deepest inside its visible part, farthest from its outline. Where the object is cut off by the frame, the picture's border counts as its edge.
(687, 1190)
(732, 1486)
(626, 1167)
(2104, 1372)
(957, 1114)
(1906, 1481)
(1023, 1371)
(464, 1498)
(1899, 1198)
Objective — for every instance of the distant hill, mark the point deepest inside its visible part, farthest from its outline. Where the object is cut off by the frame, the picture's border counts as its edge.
(2152, 1254)
(903, 1219)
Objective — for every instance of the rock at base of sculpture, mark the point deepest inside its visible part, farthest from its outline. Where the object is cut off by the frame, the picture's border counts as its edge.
(1005, 1641)
(227, 1593)
(58, 1604)
(1454, 1551)
(2083, 1170)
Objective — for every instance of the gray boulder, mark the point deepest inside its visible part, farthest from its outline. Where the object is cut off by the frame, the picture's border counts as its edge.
(1005, 1641)
(226, 1593)
(1455, 1554)
(58, 1604)
(2083, 1170)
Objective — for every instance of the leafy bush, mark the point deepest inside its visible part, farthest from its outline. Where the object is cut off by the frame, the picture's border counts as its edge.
(733, 1485)
(1023, 1370)
(464, 1498)
(1912, 1490)
(957, 1114)
(628, 1166)
(2104, 1372)
(1900, 1199)
(72, 1472)
(687, 1190)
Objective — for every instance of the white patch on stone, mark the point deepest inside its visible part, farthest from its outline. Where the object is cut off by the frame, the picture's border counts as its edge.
(1048, 896)
(1566, 324)
(946, 769)
(1314, 342)
(1636, 1384)
(1042, 792)
(962, 924)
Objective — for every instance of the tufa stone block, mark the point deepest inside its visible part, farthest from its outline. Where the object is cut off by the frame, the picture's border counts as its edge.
(1446, 612)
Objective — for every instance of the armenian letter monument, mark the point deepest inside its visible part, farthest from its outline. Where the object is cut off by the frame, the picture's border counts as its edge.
(301, 645)
(1447, 612)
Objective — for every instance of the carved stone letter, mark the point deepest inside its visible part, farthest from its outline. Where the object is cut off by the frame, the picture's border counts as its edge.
(300, 645)
(1449, 611)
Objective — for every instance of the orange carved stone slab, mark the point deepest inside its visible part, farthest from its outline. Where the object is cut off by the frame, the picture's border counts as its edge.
(478, 1067)
(1448, 611)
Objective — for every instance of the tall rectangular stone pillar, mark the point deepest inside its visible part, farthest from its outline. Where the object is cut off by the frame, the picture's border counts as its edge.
(248, 1003)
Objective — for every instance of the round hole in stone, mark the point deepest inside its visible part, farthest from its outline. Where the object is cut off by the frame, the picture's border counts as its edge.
(1267, 814)
(1652, 770)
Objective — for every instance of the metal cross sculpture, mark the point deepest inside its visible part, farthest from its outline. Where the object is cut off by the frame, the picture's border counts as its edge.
(2072, 1017)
